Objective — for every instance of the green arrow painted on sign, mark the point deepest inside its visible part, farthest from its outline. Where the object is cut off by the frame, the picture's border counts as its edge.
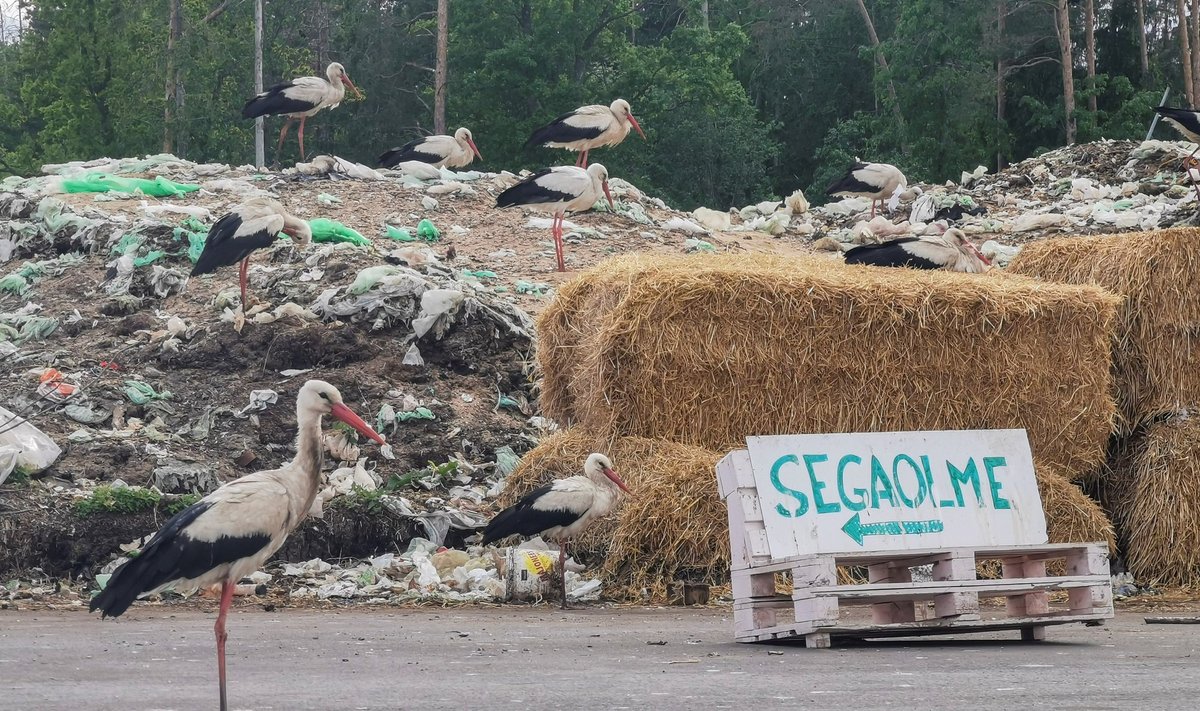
(858, 530)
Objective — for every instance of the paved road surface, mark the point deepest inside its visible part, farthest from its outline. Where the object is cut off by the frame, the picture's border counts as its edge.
(542, 658)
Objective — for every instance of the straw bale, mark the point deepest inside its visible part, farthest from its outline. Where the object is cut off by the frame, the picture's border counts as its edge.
(1156, 363)
(673, 527)
(708, 350)
(1154, 496)
(1071, 515)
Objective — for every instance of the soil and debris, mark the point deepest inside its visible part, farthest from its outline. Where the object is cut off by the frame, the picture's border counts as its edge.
(158, 387)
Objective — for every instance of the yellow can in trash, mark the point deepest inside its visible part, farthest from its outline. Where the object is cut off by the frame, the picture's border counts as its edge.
(527, 573)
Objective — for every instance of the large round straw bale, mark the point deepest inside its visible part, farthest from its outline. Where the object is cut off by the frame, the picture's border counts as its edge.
(1157, 359)
(709, 350)
(1155, 497)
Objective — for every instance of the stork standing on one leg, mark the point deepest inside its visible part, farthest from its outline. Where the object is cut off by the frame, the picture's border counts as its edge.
(252, 225)
(455, 151)
(878, 181)
(587, 127)
(1186, 122)
(560, 190)
(231, 532)
(562, 509)
(301, 98)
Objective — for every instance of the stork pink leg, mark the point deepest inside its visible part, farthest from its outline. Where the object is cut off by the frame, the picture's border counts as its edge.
(282, 135)
(579, 160)
(226, 598)
(302, 119)
(583, 162)
(242, 282)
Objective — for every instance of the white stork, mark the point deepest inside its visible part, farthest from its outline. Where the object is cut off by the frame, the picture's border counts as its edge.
(951, 251)
(878, 181)
(561, 509)
(455, 151)
(301, 98)
(586, 128)
(560, 190)
(1186, 122)
(231, 532)
(252, 225)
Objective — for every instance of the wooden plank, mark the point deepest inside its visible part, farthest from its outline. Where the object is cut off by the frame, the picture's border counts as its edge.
(918, 629)
(922, 556)
(727, 472)
(896, 610)
(955, 566)
(748, 584)
(888, 592)
(1035, 602)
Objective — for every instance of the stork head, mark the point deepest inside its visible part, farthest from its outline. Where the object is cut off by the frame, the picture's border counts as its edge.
(959, 239)
(598, 465)
(463, 135)
(318, 397)
(337, 73)
(298, 230)
(621, 109)
(600, 173)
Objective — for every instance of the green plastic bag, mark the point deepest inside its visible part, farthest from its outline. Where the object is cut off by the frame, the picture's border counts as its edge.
(128, 241)
(148, 258)
(196, 234)
(399, 234)
(427, 232)
(14, 284)
(140, 393)
(421, 413)
(325, 230)
(102, 183)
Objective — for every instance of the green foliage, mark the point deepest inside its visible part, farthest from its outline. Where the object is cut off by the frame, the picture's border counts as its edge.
(770, 97)
(443, 472)
(132, 499)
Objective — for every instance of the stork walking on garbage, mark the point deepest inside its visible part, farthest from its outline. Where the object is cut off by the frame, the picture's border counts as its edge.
(587, 127)
(562, 509)
(301, 98)
(951, 252)
(878, 181)
(251, 225)
(455, 151)
(231, 532)
(560, 190)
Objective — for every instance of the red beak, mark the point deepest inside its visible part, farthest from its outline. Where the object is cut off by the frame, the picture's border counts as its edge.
(633, 121)
(616, 479)
(609, 196)
(979, 254)
(342, 413)
(347, 82)
(477, 153)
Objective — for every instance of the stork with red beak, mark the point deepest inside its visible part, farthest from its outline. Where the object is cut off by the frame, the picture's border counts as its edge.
(587, 127)
(455, 151)
(252, 225)
(301, 98)
(231, 532)
(562, 509)
(560, 190)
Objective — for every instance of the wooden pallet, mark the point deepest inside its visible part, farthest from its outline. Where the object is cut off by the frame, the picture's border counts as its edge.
(900, 607)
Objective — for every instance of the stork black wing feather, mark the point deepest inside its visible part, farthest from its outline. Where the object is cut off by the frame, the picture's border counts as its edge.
(409, 151)
(889, 254)
(850, 184)
(273, 102)
(222, 248)
(173, 555)
(559, 131)
(530, 192)
(522, 519)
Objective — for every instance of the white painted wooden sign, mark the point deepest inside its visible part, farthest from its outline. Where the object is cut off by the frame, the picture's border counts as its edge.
(838, 493)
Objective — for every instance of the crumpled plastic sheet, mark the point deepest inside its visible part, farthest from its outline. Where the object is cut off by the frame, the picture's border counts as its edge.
(166, 280)
(176, 477)
(260, 400)
(23, 447)
(140, 393)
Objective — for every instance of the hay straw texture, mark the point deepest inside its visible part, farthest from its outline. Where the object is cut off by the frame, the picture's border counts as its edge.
(1157, 359)
(673, 527)
(708, 350)
(1154, 495)
(1071, 516)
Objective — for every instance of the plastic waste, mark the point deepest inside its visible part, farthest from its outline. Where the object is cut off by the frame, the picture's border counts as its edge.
(527, 287)
(421, 413)
(696, 245)
(23, 447)
(259, 400)
(103, 182)
(326, 230)
(438, 307)
(427, 232)
(140, 393)
(398, 234)
(413, 356)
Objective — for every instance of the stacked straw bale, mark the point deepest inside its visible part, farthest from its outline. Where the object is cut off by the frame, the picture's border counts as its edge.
(675, 525)
(1153, 492)
(1156, 363)
(708, 350)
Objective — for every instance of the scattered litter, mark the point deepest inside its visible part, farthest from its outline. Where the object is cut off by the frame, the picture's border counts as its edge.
(23, 447)
(326, 230)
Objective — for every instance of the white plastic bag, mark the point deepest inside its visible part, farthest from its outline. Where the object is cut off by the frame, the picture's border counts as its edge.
(23, 447)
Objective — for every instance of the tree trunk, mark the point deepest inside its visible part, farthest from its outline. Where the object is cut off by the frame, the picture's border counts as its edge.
(1089, 14)
(1141, 33)
(1001, 85)
(174, 93)
(1194, 27)
(704, 13)
(1185, 54)
(891, 86)
(439, 74)
(1062, 12)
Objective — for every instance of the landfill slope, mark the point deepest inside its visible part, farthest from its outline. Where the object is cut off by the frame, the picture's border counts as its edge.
(178, 390)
